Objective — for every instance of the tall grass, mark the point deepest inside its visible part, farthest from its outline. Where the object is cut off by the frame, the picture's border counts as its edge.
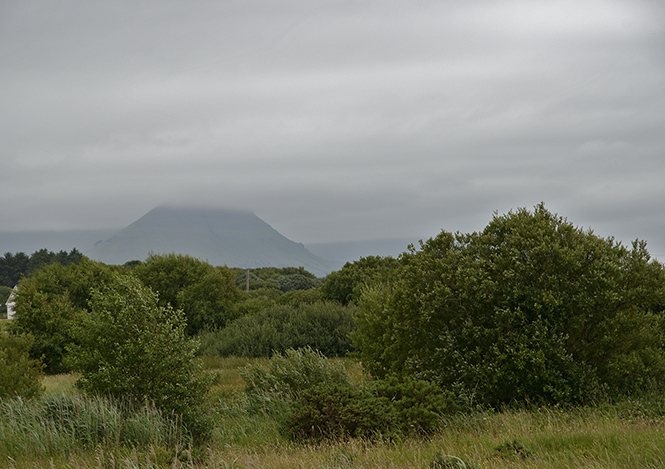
(544, 438)
(57, 424)
(75, 431)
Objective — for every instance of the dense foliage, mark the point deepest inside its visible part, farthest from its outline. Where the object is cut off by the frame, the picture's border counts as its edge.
(283, 279)
(288, 375)
(325, 327)
(531, 308)
(134, 349)
(336, 411)
(346, 285)
(51, 302)
(206, 294)
(20, 375)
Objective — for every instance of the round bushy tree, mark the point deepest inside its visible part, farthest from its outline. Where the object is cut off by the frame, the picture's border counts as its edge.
(51, 302)
(205, 293)
(531, 308)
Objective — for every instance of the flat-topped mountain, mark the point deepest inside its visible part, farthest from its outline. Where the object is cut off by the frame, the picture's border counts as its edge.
(222, 237)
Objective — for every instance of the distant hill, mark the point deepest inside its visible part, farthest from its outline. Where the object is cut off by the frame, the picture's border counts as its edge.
(221, 237)
(90, 242)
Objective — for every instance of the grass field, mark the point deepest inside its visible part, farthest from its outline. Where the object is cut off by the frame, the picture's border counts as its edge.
(629, 434)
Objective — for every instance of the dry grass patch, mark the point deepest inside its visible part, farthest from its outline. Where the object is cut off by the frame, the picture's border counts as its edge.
(62, 383)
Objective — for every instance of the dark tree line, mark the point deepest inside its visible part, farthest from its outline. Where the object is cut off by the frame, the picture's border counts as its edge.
(15, 266)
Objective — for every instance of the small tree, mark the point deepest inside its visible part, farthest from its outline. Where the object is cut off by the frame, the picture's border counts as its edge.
(20, 375)
(132, 348)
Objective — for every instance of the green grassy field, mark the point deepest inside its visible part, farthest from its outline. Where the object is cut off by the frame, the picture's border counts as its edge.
(629, 434)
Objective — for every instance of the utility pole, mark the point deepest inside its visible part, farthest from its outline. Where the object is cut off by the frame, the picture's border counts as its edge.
(247, 282)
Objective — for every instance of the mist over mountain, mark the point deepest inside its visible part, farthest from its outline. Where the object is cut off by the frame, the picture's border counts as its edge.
(232, 237)
(222, 237)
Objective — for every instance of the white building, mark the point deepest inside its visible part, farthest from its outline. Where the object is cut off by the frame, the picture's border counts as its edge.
(11, 302)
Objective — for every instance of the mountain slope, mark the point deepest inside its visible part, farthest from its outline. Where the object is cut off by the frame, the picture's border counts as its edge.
(221, 237)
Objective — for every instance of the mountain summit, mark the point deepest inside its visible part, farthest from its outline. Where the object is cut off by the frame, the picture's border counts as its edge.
(222, 237)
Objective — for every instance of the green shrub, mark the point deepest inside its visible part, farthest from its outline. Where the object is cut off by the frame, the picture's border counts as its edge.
(385, 408)
(345, 285)
(20, 375)
(288, 376)
(281, 279)
(337, 411)
(264, 292)
(295, 282)
(417, 405)
(252, 306)
(325, 327)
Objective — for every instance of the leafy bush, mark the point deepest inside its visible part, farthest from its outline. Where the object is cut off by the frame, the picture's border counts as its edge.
(314, 398)
(282, 279)
(252, 306)
(288, 376)
(325, 327)
(266, 292)
(20, 375)
(385, 408)
(417, 405)
(338, 411)
(132, 348)
(531, 308)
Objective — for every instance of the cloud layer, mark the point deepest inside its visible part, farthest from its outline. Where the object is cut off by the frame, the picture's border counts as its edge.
(335, 120)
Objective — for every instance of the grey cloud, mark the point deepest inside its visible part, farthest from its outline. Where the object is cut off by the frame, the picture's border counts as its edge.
(335, 120)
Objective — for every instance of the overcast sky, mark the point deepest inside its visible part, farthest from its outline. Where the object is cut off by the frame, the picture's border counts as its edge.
(335, 120)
